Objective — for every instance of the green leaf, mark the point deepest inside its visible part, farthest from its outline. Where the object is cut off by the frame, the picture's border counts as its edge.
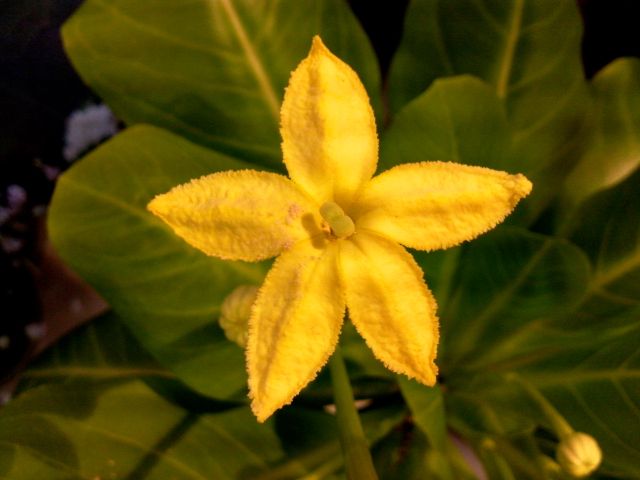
(405, 453)
(529, 53)
(608, 229)
(571, 335)
(526, 49)
(439, 455)
(213, 71)
(596, 387)
(166, 292)
(105, 351)
(458, 119)
(614, 150)
(509, 282)
(82, 412)
(593, 380)
(427, 408)
(127, 431)
(101, 350)
(311, 438)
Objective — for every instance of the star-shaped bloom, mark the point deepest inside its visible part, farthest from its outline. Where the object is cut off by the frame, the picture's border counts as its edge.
(337, 234)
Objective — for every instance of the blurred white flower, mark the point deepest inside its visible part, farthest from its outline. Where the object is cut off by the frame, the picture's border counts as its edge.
(86, 128)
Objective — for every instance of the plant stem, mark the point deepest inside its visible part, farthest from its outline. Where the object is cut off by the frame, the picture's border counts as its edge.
(355, 448)
(558, 423)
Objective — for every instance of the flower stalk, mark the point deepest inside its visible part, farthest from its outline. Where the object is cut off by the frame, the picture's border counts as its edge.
(357, 458)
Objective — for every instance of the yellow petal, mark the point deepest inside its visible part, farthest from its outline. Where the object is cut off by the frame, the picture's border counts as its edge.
(239, 215)
(328, 129)
(432, 205)
(294, 326)
(390, 305)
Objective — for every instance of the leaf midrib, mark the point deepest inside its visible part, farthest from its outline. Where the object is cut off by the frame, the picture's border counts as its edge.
(253, 61)
(506, 64)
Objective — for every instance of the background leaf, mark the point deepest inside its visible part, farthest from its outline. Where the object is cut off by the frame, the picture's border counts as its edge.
(213, 71)
(529, 52)
(607, 227)
(103, 349)
(428, 410)
(458, 119)
(508, 283)
(128, 431)
(167, 292)
(593, 380)
(86, 409)
(614, 150)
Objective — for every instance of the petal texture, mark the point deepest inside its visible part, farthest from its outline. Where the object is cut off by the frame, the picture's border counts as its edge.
(328, 129)
(239, 215)
(390, 305)
(433, 205)
(294, 326)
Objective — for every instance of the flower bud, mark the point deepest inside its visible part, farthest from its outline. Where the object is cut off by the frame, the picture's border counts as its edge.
(579, 454)
(235, 312)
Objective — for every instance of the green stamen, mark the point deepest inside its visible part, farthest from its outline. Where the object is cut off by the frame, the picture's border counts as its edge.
(341, 225)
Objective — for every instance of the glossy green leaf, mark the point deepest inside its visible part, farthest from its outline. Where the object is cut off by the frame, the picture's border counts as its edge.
(403, 454)
(592, 379)
(502, 458)
(458, 119)
(607, 227)
(476, 415)
(529, 52)
(60, 425)
(440, 457)
(509, 282)
(614, 151)
(213, 71)
(127, 431)
(310, 440)
(166, 292)
(406, 453)
(427, 408)
(597, 388)
(103, 349)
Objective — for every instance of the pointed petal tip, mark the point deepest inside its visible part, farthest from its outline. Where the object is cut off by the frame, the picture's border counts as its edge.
(264, 407)
(430, 376)
(317, 45)
(155, 205)
(522, 185)
(426, 375)
(261, 414)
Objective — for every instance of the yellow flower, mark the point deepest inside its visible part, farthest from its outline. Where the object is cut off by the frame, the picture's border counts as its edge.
(336, 232)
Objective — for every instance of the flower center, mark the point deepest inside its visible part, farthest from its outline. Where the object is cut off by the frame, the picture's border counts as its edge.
(340, 224)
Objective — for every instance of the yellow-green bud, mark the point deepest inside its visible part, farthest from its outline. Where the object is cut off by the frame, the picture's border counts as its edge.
(235, 312)
(341, 225)
(579, 454)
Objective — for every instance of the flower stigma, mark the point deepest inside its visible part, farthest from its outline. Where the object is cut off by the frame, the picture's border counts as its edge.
(340, 224)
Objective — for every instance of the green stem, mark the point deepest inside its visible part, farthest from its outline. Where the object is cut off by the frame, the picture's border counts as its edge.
(559, 424)
(355, 448)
